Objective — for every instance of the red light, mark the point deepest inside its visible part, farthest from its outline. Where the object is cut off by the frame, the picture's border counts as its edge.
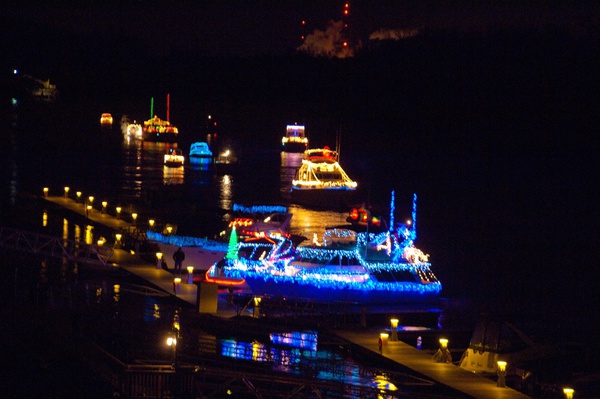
(345, 12)
(303, 22)
(345, 44)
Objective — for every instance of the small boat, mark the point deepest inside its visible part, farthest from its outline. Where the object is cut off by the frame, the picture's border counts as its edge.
(174, 158)
(226, 161)
(202, 253)
(156, 129)
(295, 139)
(134, 130)
(200, 155)
(106, 119)
(321, 182)
(345, 268)
(159, 130)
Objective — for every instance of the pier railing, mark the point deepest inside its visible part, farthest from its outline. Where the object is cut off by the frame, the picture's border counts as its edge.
(45, 245)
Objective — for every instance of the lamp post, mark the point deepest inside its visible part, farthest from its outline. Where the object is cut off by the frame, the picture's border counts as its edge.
(568, 393)
(256, 313)
(501, 374)
(88, 210)
(118, 209)
(104, 205)
(134, 217)
(177, 285)
(78, 194)
(45, 192)
(151, 223)
(67, 192)
(91, 199)
(159, 260)
(118, 237)
(394, 323)
(190, 270)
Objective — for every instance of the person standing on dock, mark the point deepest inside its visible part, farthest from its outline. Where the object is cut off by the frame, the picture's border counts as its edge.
(178, 257)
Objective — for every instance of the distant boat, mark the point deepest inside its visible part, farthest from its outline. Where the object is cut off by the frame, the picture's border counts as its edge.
(295, 139)
(159, 130)
(106, 119)
(321, 182)
(200, 155)
(226, 161)
(134, 130)
(174, 158)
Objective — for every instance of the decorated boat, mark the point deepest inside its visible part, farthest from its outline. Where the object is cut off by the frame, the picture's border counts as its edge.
(295, 139)
(321, 182)
(159, 130)
(346, 267)
(200, 155)
(174, 158)
(106, 119)
(248, 221)
(134, 130)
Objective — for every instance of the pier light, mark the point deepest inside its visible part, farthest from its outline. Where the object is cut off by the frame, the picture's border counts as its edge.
(169, 229)
(159, 256)
(171, 341)
(67, 192)
(134, 217)
(256, 313)
(501, 374)
(88, 210)
(177, 285)
(104, 205)
(443, 343)
(91, 199)
(190, 270)
(568, 393)
(394, 323)
(151, 223)
(118, 209)
(46, 192)
(100, 242)
(118, 237)
(116, 288)
(78, 194)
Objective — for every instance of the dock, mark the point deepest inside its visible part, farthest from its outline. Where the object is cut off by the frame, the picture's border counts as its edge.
(448, 374)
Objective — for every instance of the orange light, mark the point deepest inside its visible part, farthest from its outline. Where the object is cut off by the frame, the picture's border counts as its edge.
(223, 281)
(345, 44)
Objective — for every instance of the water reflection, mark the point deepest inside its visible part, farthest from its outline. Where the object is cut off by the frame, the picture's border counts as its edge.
(173, 175)
(296, 353)
(290, 162)
(307, 222)
(226, 192)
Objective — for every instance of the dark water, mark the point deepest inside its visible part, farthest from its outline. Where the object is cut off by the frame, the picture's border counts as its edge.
(511, 230)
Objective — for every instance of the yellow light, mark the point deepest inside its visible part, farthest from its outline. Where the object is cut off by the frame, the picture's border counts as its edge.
(66, 192)
(89, 207)
(394, 323)
(257, 300)
(501, 366)
(568, 393)
(78, 193)
(104, 204)
(159, 255)
(100, 242)
(443, 343)
(190, 269)
(151, 222)
(169, 229)
(118, 237)
(116, 288)
(91, 198)
(45, 191)
(171, 341)
(134, 216)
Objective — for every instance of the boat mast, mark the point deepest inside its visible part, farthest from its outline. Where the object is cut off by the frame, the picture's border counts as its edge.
(168, 106)
(151, 107)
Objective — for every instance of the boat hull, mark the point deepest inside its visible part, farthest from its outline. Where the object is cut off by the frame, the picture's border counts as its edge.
(160, 137)
(200, 160)
(323, 198)
(417, 294)
(294, 147)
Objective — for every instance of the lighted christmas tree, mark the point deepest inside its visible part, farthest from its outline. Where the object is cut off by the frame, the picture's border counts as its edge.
(232, 248)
